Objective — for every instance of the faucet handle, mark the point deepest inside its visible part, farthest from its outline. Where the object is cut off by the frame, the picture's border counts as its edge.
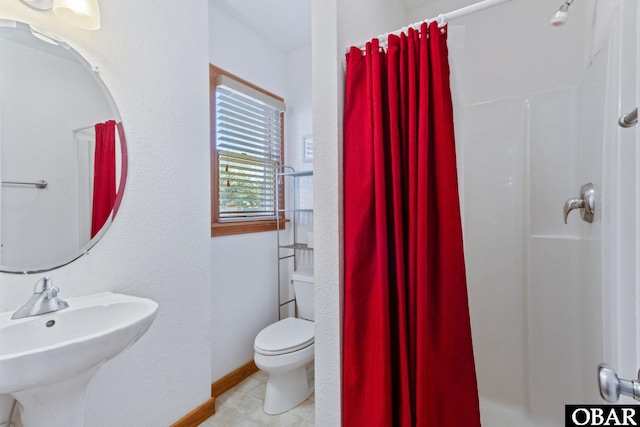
(586, 203)
(570, 205)
(42, 285)
(51, 293)
(47, 301)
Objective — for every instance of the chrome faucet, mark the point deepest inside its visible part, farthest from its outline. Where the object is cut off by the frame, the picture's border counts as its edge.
(44, 300)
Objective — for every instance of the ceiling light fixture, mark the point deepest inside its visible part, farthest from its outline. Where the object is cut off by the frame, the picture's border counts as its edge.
(80, 13)
(83, 14)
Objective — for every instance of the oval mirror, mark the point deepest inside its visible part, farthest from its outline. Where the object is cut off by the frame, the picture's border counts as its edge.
(62, 152)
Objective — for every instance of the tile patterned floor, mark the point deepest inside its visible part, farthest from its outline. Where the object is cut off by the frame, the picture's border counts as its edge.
(242, 406)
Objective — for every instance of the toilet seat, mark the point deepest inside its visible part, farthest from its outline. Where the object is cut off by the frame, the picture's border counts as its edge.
(285, 336)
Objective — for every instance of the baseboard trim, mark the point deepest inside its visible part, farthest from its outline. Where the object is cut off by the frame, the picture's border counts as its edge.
(198, 415)
(233, 378)
(208, 408)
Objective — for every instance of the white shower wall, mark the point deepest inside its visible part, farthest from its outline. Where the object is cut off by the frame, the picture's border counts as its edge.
(523, 263)
(547, 300)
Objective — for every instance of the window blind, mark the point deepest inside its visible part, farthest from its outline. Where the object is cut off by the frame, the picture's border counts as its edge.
(248, 142)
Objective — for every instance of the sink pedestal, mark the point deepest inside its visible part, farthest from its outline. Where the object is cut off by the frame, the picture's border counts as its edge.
(60, 404)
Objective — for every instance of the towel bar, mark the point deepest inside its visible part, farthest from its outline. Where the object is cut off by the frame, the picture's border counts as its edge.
(629, 120)
(39, 184)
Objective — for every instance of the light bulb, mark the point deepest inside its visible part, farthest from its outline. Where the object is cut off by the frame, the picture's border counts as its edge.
(80, 13)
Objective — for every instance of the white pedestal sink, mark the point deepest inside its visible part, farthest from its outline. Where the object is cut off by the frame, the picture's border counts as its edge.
(46, 361)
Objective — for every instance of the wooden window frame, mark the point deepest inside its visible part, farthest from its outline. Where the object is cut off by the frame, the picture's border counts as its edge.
(227, 228)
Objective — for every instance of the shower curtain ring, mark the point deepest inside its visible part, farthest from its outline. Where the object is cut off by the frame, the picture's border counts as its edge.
(441, 20)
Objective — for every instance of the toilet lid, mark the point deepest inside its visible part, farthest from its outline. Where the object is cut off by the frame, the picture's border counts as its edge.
(285, 336)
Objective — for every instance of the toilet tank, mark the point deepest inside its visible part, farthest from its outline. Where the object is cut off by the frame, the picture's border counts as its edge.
(303, 287)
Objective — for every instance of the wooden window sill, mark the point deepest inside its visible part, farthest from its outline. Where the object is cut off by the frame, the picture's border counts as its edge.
(244, 227)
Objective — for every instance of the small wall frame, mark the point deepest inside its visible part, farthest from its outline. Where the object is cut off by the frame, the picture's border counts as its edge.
(307, 149)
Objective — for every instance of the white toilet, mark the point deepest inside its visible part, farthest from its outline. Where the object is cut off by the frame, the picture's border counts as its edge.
(285, 351)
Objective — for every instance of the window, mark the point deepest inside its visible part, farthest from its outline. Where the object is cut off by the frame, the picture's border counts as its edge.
(246, 148)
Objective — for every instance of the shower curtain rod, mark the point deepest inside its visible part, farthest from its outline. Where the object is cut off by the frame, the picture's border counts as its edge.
(442, 18)
(82, 128)
(86, 127)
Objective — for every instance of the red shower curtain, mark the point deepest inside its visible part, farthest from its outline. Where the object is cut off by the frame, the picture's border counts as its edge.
(104, 175)
(407, 351)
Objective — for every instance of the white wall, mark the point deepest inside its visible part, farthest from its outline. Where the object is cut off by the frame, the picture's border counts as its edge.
(511, 51)
(524, 264)
(237, 49)
(336, 25)
(153, 59)
(299, 123)
(299, 106)
(244, 282)
(244, 296)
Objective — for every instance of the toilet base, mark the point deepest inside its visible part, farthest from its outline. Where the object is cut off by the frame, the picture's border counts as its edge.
(286, 390)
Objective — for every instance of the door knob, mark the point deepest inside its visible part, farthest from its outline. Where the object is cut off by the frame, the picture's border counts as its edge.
(586, 203)
(611, 387)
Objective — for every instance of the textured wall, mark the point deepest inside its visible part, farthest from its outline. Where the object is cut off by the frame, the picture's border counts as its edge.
(153, 57)
(299, 106)
(244, 266)
(336, 25)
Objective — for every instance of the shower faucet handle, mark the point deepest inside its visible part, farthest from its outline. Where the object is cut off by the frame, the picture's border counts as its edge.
(570, 205)
(586, 203)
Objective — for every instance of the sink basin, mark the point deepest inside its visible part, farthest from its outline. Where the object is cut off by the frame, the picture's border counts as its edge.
(46, 361)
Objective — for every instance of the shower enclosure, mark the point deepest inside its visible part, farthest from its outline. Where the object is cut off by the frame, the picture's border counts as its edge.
(550, 301)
